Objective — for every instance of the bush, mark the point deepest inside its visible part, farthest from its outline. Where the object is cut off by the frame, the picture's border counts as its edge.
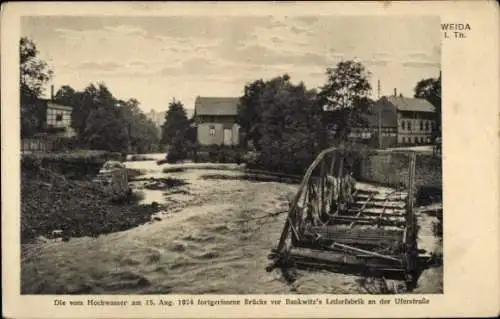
(176, 154)
(251, 159)
(81, 164)
(218, 154)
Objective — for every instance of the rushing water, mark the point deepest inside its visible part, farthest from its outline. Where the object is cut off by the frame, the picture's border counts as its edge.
(214, 237)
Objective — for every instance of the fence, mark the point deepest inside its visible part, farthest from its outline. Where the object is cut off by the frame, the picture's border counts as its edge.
(47, 144)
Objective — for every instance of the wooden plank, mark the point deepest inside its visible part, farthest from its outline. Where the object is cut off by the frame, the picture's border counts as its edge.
(356, 269)
(391, 204)
(367, 252)
(370, 188)
(312, 255)
(305, 181)
(381, 197)
(333, 229)
(370, 220)
(377, 211)
(410, 239)
(327, 239)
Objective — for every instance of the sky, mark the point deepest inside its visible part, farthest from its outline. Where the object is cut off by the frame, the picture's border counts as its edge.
(155, 59)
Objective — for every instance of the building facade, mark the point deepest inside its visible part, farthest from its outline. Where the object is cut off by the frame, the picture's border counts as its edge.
(415, 119)
(215, 119)
(393, 121)
(54, 118)
(59, 117)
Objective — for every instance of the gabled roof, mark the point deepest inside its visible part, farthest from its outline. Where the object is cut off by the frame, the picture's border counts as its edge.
(54, 105)
(410, 104)
(216, 105)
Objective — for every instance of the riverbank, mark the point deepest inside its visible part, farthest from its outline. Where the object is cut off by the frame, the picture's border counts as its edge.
(55, 206)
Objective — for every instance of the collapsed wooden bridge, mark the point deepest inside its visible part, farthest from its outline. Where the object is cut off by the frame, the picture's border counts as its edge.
(338, 224)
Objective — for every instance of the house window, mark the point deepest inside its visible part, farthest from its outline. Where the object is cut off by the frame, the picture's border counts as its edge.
(59, 117)
(427, 125)
(409, 126)
(211, 130)
(403, 125)
(421, 125)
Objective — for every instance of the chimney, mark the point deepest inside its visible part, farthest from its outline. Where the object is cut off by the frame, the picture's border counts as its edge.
(52, 92)
(395, 92)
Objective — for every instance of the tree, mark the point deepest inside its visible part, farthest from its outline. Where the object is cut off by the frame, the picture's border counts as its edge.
(141, 130)
(97, 113)
(34, 74)
(430, 89)
(65, 95)
(174, 132)
(249, 112)
(346, 93)
(288, 126)
(105, 131)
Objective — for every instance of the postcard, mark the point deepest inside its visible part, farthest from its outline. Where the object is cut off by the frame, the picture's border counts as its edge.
(251, 159)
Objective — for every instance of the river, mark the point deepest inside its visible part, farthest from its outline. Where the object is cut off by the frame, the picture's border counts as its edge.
(213, 238)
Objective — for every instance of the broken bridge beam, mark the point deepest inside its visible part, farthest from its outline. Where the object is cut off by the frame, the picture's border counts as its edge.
(367, 259)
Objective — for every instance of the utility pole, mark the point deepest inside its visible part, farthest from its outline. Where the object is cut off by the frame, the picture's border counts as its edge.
(378, 89)
(379, 118)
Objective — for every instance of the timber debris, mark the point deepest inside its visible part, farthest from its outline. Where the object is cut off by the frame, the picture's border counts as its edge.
(342, 225)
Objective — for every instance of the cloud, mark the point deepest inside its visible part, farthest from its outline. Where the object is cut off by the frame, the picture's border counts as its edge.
(421, 64)
(419, 55)
(126, 29)
(277, 40)
(306, 19)
(374, 62)
(100, 66)
(276, 24)
(297, 30)
(260, 54)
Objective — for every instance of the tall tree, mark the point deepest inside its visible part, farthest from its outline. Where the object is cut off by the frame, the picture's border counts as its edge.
(175, 131)
(141, 130)
(289, 125)
(430, 89)
(33, 76)
(346, 94)
(34, 72)
(249, 112)
(105, 131)
(176, 123)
